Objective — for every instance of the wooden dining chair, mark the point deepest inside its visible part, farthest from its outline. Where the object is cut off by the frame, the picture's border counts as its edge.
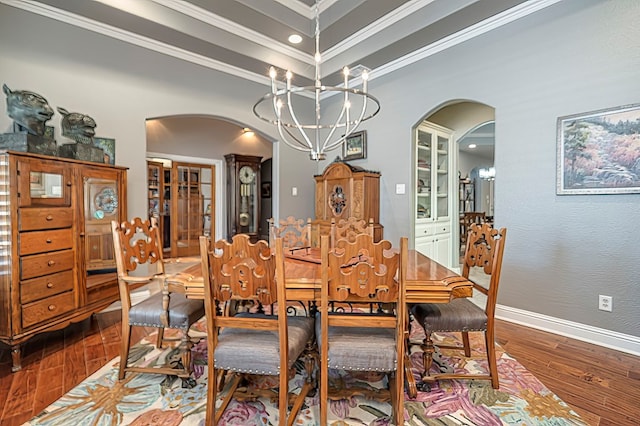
(484, 251)
(363, 272)
(467, 219)
(248, 344)
(348, 229)
(295, 233)
(138, 243)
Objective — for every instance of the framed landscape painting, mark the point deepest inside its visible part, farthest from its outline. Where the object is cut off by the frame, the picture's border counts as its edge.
(599, 152)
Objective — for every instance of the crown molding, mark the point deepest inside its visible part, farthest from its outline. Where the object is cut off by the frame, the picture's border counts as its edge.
(217, 21)
(469, 33)
(135, 39)
(476, 30)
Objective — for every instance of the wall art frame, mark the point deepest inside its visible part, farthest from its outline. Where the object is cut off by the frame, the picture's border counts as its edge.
(265, 190)
(355, 146)
(598, 152)
(108, 145)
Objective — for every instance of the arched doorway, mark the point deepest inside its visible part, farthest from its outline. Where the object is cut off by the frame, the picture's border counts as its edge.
(454, 122)
(200, 142)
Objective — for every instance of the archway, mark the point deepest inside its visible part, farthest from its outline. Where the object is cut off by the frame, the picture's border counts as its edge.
(463, 119)
(205, 140)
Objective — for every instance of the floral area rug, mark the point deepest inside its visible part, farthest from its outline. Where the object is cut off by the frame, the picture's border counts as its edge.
(149, 399)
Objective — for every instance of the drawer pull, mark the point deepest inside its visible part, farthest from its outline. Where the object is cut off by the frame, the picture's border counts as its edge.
(51, 262)
(52, 307)
(49, 241)
(49, 217)
(49, 285)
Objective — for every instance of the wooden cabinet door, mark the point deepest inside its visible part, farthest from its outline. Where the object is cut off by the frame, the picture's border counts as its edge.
(43, 183)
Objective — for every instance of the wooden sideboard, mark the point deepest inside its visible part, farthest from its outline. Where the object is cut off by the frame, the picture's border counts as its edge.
(344, 191)
(56, 252)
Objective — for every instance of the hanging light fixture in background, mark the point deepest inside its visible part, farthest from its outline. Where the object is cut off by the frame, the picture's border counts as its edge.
(316, 137)
(487, 174)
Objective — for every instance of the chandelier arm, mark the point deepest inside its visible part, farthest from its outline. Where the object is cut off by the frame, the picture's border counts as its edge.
(335, 126)
(294, 117)
(290, 139)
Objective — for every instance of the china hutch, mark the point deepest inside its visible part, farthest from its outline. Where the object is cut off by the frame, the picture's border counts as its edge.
(180, 197)
(243, 195)
(344, 191)
(56, 253)
(433, 206)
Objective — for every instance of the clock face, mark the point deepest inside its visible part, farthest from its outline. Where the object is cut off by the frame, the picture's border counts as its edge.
(246, 174)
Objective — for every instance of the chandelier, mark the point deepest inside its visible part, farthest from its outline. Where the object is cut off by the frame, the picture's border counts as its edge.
(319, 135)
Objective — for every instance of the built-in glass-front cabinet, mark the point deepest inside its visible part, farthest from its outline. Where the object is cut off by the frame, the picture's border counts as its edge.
(433, 192)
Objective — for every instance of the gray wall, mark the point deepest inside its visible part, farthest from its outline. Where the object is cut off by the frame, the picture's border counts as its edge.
(561, 251)
(574, 56)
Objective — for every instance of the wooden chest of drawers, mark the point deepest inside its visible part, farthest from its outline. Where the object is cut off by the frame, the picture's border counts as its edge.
(46, 207)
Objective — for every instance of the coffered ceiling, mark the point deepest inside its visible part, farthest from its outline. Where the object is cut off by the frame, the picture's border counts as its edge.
(246, 37)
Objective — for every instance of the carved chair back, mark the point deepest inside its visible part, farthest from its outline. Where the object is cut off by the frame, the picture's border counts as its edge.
(485, 248)
(294, 232)
(349, 228)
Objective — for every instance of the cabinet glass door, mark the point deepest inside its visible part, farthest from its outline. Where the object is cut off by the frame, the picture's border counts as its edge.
(441, 165)
(101, 206)
(206, 188)
(190, 210)
(424, 145)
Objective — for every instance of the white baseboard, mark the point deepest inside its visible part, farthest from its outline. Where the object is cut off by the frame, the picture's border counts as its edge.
(597, 336)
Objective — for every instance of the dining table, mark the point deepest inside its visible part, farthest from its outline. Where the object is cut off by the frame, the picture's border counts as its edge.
(427, 281)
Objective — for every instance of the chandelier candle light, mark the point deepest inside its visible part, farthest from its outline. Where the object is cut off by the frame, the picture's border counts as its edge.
(316, 137)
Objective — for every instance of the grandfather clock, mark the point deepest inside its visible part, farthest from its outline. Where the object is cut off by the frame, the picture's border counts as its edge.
(243, 195)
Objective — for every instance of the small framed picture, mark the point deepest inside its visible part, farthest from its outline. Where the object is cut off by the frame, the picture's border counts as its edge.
(266, 190)
(355, 146)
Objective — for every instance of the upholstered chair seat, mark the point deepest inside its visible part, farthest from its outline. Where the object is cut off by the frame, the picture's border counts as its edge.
(232, 355)
(182, 312)
(376, 348)
(457, 315)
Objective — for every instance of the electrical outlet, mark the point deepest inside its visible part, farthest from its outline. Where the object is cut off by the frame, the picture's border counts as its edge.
(605, 303)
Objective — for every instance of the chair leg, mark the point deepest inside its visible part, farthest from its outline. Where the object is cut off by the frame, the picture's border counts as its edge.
(283, 398)
(491, 357)
(185, 348)
(160, 337)
(324, 392)
(124, 349)
(310, 360)
(465, 342)
(211, 392)
(396, 388)
(427, 353)
(227, 399)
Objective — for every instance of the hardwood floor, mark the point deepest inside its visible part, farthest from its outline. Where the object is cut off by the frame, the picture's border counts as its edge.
(601, 384)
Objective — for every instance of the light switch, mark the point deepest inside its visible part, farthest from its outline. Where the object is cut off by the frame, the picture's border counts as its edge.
(294, 191)
(400, 188)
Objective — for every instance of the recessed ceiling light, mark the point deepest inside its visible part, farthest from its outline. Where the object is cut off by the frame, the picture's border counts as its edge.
(247, 131)
(295, 39)
(472, 145)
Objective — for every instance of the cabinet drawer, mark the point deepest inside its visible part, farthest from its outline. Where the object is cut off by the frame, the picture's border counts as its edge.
(49, 285)
(441, 228)
(43, 264)
(423, 230)
(44, 241)
(33, 219)
(46, 309)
